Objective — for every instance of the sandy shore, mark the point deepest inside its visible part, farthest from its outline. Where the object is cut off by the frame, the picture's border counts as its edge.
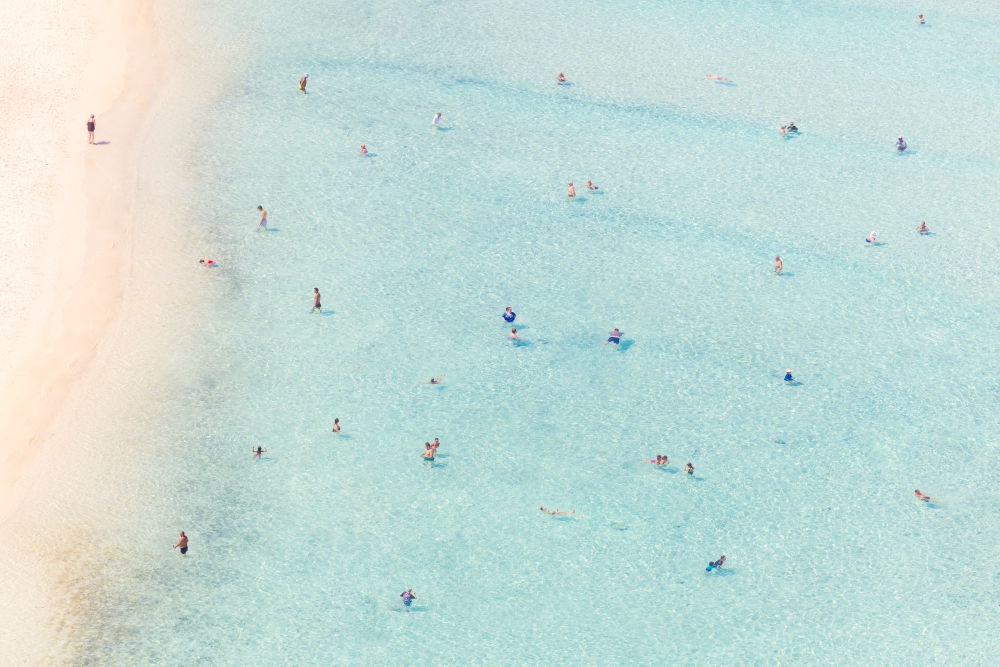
(67, 257)
(70, 202)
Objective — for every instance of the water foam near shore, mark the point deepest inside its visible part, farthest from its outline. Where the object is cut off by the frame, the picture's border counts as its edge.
(417, 248)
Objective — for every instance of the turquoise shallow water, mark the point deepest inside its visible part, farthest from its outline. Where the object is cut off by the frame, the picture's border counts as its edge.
(300, 558)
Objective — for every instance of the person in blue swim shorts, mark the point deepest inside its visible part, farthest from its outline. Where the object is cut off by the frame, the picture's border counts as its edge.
(614, 337)
(408, 597)
(509, 315)
(788, 375)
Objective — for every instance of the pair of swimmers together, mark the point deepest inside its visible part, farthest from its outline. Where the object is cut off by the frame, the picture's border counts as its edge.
(663, 460)
(571, 191)
(922, 228)
(789, 129)
(430, 450)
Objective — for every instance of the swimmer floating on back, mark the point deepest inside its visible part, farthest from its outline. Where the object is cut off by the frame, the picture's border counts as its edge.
(436, 380)
(556, 511)
(615, 336)
(206, 262)
(715, 77)
(923, 228)
(509, 315)
(925, 498)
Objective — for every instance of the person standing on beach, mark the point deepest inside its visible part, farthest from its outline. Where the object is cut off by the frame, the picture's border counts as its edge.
(777, 264)
(302, 83)
(91, 126)
(316, 304)
(263, 219)
(182, 543)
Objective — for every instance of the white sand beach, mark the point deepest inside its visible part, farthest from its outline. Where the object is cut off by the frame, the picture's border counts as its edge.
(67, 251)
(67, 223)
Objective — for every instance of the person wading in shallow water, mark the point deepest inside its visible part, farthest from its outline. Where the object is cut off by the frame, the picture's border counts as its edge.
(182, 543)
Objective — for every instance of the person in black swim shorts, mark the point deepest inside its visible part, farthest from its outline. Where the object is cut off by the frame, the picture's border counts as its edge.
(182, 543)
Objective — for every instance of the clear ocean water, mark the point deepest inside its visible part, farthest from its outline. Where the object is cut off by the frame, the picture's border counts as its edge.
(417, 248)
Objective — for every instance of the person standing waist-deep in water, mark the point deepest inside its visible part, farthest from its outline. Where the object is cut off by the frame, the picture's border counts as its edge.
(182, 543)
(91, 126)
(336, 425)
(408, 597)
(263, 218)
(316, 304)
(777, 264)
(257, 451)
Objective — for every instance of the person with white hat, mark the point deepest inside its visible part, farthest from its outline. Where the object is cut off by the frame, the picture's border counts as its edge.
(302, 83)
